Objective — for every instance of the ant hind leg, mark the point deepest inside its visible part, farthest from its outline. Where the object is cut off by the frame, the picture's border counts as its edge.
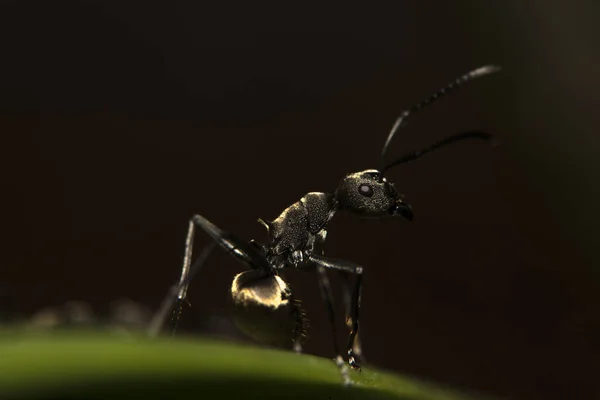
(251, 255)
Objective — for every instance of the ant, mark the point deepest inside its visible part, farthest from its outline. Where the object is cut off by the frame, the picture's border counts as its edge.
(263, 304)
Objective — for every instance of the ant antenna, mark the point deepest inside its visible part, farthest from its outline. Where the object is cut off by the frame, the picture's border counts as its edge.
(481, 71)
(444, 142)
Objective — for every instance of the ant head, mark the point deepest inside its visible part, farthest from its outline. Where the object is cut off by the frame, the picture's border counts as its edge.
(369, 194)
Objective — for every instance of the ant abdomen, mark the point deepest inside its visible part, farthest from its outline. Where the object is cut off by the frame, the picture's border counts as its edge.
(264, 309)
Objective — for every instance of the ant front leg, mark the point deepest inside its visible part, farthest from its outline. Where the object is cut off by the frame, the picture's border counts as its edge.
(327, 296)
(347, 301)
(354, 269)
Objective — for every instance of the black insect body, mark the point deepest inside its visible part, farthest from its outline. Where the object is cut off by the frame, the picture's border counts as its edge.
(263, 304)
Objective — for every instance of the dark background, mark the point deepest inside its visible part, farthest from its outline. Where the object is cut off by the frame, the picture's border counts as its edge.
(119, 120)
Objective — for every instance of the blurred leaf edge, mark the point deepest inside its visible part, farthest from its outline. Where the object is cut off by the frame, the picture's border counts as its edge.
(92, 365)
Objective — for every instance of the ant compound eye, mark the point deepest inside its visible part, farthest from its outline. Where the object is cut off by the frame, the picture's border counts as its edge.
(365, 190)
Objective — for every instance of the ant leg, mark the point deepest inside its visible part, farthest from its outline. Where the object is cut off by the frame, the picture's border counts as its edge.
(327, 296)
(346, 298)
(353, 358)
(173, 302)
(249, 254)
(187, 274)
(350, 268)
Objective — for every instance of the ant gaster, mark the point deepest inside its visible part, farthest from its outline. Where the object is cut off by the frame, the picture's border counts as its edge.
(263, 305)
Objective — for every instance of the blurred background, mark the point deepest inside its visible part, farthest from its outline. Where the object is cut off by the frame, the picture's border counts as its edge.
(119, 120)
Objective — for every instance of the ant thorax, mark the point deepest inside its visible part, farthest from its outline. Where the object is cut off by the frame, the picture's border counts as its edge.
(294, 233)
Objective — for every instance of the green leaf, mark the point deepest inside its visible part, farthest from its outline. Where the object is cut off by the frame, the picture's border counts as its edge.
(78, 365)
